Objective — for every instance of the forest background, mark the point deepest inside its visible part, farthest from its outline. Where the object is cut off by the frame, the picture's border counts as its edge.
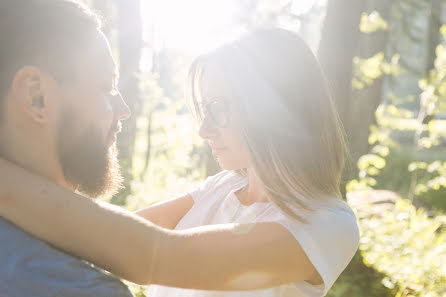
(385, 61)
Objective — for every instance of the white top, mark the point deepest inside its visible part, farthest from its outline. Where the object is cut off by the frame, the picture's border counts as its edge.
(330, 240)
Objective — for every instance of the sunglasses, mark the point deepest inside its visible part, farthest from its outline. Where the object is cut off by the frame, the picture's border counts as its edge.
(217, 110)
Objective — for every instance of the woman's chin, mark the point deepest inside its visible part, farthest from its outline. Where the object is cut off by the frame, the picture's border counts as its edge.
(229, 164)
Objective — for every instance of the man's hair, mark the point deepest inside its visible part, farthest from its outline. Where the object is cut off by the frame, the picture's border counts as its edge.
(42, 33)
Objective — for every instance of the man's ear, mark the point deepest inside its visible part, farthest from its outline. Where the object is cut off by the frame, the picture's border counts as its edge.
(29, 90)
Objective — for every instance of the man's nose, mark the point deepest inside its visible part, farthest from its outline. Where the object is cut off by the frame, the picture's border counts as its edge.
(121, 109)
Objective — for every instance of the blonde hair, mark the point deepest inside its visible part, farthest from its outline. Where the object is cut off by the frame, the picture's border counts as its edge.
(285, 113)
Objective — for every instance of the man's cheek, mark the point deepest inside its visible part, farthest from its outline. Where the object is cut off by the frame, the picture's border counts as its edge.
(106, 116)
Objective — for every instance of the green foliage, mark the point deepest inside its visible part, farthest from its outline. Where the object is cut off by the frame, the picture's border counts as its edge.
(359, 280)
(428, 132)
(409, 247)
(407, 155)
(437, 167)
(366, 71)
(168, 159)
(372, 22)
(400, 161)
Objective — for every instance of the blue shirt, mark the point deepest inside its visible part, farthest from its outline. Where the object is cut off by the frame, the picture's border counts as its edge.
(32, 268)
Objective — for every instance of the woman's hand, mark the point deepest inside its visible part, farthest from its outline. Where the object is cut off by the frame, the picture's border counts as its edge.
(168, 213)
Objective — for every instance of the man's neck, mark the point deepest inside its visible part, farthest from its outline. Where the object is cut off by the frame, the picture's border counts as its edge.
(35, 159)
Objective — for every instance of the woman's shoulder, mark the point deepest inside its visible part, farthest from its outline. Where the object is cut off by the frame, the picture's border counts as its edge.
(330, 238)
(330, 218)
(224, 180)
(340, 207)
(336, 213)
(337, 224)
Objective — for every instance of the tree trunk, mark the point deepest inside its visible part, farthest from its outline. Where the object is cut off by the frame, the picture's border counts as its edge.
(434, 34)
(338, 46)
(341, 41)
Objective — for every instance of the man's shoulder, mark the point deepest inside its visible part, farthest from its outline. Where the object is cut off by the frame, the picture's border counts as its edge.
(30, 267)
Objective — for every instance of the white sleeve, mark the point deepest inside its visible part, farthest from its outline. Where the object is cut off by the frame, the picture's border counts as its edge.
(330, 241)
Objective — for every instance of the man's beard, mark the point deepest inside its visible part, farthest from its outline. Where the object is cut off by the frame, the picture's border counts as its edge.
(87, 163)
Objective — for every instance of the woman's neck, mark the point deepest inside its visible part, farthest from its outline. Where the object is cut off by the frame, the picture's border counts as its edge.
(253, 192)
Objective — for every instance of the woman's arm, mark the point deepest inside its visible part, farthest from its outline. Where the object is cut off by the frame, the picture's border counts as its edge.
(221, 257)
(168, 213)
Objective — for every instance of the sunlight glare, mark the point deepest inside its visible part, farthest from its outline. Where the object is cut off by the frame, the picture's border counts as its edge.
(193, 26)
(299, 7)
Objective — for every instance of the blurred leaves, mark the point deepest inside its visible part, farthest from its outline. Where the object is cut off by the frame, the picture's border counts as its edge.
(372, 22)
(409, 247)
(366, 71)
(407, 244)
(393, 116)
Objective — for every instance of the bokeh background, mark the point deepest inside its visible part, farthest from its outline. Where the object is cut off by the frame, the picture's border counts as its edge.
(385, 61)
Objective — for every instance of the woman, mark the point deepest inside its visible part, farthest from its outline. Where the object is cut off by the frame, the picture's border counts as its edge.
(272, 221)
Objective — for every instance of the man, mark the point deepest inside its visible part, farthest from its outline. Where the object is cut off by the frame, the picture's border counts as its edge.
(60, 112)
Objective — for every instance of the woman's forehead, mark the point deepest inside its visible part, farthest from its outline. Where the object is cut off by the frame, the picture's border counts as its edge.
(214, 84)
(229, 79)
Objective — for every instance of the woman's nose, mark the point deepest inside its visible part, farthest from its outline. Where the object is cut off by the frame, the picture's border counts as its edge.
(207, 128)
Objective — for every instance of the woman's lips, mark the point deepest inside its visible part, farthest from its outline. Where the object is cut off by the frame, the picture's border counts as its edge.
(217, 150)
